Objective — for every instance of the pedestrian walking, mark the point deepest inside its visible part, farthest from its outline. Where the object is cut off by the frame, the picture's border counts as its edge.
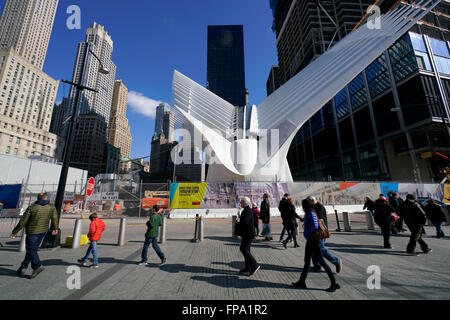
(395, 201)
(246, 229)
(151, 237)
(282, 201)
(95, 234)
(369, 205)
(256, 214)
(321, 213)
(437, 216)
(382, 218)
(289, 216)
(36, 221)
(265, 218)
(415, 219)
(311, 225)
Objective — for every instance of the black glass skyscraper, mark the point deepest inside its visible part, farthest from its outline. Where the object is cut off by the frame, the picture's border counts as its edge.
(226, 68)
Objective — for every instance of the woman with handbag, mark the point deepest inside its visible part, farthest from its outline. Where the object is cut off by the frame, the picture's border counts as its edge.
(313, 234)
(383, 218)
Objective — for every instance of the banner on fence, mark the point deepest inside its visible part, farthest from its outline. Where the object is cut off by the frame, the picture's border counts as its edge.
(228, 195)
(187, 195)
(9, 195)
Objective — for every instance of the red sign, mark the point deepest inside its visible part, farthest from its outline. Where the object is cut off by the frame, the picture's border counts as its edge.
(90, 187)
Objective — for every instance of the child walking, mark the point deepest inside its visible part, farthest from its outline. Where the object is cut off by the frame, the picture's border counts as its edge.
(95, 234)
(151, 237)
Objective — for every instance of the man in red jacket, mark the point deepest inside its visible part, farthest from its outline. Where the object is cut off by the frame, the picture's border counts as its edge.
(94, 235)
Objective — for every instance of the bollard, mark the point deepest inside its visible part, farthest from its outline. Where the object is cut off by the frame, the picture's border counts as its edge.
(200, 230)
(195, 239)
(162, 233)
(123, 225)
(347, 226)
(369, 219)
(233, 227)
(22, 246)
(77, 234)
(337, 220)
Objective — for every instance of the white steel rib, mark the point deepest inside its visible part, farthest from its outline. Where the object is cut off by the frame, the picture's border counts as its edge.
(288, 108)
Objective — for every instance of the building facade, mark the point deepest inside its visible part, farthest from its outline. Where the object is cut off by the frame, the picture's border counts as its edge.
(112, 159)
(100, 43)
(226, 67)
(88, 151)
(59, 112)
(26, 26)
(119, 134)
(390, 122)
(273, 82)
(27, 94)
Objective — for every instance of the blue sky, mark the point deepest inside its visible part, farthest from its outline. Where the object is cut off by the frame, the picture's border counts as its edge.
(154, 37)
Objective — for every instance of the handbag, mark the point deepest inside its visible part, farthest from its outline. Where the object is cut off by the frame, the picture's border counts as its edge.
(322, 233)
(394, 217)
(266, 231)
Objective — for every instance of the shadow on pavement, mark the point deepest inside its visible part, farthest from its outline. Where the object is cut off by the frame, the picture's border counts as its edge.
(245, 283)
(240, 264)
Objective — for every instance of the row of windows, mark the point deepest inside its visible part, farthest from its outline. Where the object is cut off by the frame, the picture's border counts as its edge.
(27, 132)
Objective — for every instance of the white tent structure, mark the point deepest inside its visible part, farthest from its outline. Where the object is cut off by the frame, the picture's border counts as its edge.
(256, 150)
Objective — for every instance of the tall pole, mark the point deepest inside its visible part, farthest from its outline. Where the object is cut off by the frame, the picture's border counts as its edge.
(69, 140)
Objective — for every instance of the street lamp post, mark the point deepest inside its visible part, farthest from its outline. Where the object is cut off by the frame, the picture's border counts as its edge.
(71, 131)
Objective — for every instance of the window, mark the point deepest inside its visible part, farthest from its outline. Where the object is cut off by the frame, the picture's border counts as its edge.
(11, 138)
(15, 152)
(8, 150)
(18, 141)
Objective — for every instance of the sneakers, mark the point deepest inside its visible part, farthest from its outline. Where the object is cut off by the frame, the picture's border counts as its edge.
(254, 271)
(333, 288)
(20, 271)
(428, 251)
(317, 269)
(36, 272)
(163, 260)
(84, 264)
(143, 263)
(94, 266)
(339, 266)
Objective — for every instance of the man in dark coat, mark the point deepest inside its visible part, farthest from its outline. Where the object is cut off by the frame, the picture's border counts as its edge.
(382, 217)
(265, 216)
(322, 214)
(437, 216)
(415, 219)
(247, 232)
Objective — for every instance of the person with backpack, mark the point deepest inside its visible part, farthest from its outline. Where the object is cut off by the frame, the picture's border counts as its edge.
(437, 216)
(415, 219)
(95, 234)
(311, 225)
(151, 237)
(36, 222)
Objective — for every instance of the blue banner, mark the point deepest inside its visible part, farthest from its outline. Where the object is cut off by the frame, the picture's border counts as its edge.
(9, 196)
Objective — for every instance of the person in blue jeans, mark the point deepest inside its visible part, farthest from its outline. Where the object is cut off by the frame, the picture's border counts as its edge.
(151, 237)
(321, 213)
(312, 247)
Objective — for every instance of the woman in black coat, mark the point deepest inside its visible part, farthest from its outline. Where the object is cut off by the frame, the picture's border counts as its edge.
(246, 230)
(265, 216)
(382, 218)
(289, 221)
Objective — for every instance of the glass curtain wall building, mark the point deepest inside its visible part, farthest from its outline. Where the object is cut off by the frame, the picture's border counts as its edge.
(389, 120)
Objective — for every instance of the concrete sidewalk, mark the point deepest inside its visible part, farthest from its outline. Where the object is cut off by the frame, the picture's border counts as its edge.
(210, 270)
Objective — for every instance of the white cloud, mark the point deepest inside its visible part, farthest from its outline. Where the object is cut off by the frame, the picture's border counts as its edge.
(142, 104)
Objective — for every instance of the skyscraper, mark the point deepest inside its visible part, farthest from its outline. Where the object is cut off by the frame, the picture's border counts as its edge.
(169, 125)
(26, 26)
(159, 121)
(119, 130)
(27, 95)
(388, 121)
(226, 67)
(101, 44)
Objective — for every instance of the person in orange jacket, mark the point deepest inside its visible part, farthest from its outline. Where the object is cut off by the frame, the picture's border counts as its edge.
(95, 234)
